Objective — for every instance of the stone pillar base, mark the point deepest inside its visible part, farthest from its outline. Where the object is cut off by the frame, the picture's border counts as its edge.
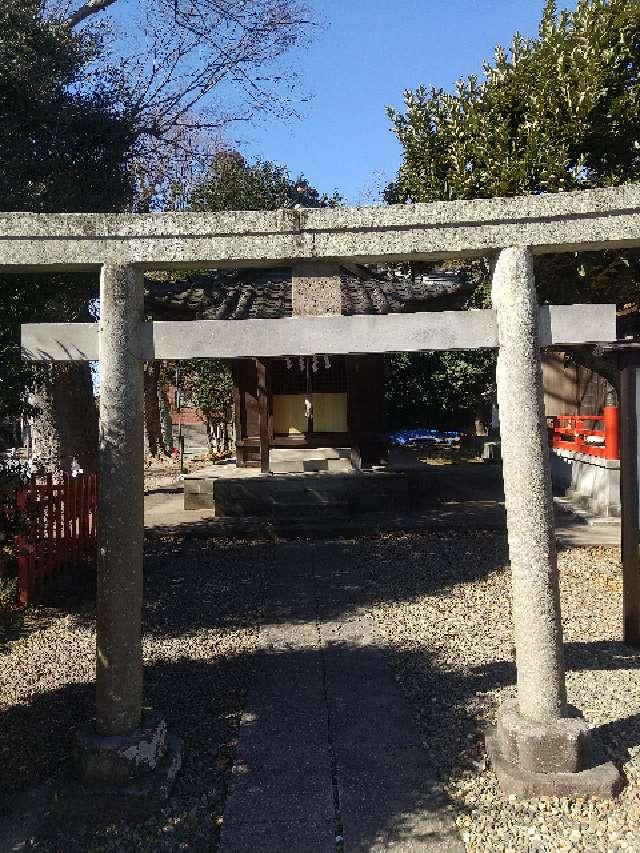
(124, 775)
(552, 759)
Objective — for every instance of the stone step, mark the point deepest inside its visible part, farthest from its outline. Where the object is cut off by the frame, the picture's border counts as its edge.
(309, 506)
(339, 465)
(348, 492)
(302, 466)
(297, 466)
(288, 454)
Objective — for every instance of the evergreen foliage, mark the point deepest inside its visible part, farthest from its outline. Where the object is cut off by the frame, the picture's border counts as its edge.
(235, 184)
(554, 113)
(559, 112)
(64, 146)
(208, 386)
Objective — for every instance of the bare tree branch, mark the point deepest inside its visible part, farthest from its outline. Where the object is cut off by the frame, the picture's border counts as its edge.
(184, 70)
(91, 7)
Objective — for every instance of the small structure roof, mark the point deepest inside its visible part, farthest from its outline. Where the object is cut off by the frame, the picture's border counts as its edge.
(266, 294)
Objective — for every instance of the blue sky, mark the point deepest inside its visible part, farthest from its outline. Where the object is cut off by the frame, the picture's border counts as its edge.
(364, 55)
(369, 52)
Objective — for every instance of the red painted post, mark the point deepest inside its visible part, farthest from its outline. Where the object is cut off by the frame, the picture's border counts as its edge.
(74, 505)
(611, 433)
(82, 485)
(35, 534)
(65, 520)
(49, 540)
(61, 522)
(21, 543)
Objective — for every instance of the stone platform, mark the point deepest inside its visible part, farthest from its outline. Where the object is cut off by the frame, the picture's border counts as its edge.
(588, 482)
(243, 492)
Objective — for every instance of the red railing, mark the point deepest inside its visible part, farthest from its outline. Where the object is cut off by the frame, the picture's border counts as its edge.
(595, 435)
(59, 530)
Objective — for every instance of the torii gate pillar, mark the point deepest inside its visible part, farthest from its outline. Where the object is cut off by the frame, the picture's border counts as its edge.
(126, 749)
(538, 747)
(121, 529)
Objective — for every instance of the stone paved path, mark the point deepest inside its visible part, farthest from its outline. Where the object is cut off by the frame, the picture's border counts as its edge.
(329, 759)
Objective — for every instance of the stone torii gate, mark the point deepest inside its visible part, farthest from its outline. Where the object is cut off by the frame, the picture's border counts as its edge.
(539, 745)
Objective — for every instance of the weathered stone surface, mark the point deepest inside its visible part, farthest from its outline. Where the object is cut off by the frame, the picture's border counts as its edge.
(603, 781)
(316, 289)
(441, 330)
(527, 487)
(120, 533)
(328, 757)
(66, 424)
(198, 493)
(132, 801)
(313, 496)
(590, 482)
(556, 746)
(588, 220)
(119, 759)
(537, 748)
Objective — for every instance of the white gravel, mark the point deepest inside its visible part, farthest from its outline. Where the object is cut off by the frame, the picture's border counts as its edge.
(455, 660)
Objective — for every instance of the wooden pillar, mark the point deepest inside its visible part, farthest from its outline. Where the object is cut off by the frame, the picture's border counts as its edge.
(263, 414)
(365, 409)
(629, 496)
(237, 415)
(353, 410)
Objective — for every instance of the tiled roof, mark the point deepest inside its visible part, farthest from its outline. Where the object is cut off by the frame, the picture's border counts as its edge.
(266, 294)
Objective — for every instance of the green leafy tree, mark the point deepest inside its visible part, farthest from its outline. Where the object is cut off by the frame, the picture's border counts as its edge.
(64, 146)
(558, 112)
(208, 386)
(90, 121)
(234, 184)
(553, 113)
(441, 390)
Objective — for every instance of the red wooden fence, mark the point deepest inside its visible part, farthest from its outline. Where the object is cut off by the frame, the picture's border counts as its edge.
(595, 435)
(59, 533)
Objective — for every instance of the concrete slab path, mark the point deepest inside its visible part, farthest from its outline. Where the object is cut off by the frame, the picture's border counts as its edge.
(329, 759)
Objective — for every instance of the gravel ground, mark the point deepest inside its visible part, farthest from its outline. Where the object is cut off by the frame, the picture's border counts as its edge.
(201, 607)
(441, 601)
(454, 653)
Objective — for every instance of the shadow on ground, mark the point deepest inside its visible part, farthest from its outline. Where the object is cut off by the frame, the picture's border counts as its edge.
(360, 573)
(193, 588)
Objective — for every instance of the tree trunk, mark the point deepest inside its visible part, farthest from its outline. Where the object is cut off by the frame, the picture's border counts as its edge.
(66, 423)
(165, 417)
(210, 438)
(153, 427)
(225, 434)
